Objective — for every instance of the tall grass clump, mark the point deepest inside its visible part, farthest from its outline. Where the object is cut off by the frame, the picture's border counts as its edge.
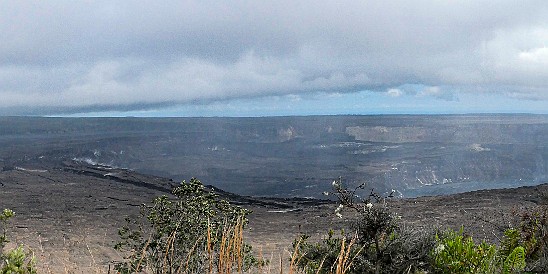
(331, 255)
(196, 232)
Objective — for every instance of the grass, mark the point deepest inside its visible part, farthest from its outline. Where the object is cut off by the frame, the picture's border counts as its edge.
(77, 255)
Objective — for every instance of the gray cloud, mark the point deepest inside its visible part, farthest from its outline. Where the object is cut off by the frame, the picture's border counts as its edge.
(70, 55)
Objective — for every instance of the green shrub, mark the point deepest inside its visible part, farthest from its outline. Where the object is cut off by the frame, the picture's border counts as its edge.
(196, 232)
(16, 261)
(531, 232)
(510, 241)
(4, 218)
(515, 261)
(457, 253)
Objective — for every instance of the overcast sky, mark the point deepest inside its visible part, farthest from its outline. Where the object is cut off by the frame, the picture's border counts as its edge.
(253, 58)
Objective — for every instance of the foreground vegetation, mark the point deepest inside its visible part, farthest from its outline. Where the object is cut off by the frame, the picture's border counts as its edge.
(195, 231)
(379, 243)
(18, 260)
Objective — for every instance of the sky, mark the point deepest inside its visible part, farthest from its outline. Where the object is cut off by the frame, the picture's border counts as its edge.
(269, 58)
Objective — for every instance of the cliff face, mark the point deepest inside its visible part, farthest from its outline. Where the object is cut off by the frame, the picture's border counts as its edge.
(484, 133)
(298, 156)
(461, 156)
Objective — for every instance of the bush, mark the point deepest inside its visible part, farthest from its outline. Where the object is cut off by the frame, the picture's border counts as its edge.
(196, 232)
(16, 261)
(381, 244)
(4, 218)
(457, 253)
(531, 232)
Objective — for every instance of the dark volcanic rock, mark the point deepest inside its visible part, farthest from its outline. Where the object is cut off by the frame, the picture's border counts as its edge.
(416, 155)
(69, 215)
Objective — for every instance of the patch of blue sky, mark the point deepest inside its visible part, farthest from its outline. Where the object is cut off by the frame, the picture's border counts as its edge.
(409, 101)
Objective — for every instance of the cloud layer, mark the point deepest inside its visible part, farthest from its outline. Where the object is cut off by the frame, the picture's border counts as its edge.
(73, 56)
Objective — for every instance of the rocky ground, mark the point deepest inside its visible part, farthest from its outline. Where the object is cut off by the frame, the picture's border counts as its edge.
(69, 213)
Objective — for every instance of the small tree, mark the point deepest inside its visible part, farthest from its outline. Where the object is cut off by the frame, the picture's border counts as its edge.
(196, 232)
(4, 218)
